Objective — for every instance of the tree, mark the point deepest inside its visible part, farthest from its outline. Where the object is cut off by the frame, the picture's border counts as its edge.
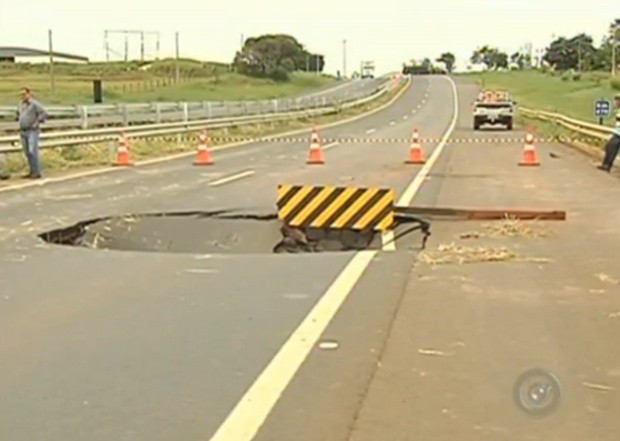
(522, 60)
(493, 58)
(577, 52)
(448, 59)
(275, 56)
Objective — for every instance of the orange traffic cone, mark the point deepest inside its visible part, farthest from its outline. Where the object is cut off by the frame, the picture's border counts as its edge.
(416, 155)
(123, 158)
(316, 152)
(529, 152)
(204, 156)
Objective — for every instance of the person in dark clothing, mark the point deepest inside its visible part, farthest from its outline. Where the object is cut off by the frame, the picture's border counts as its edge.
(31, 115)
(4, 173)
(613, 145)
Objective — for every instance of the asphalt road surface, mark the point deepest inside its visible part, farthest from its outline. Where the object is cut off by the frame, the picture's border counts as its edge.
(243, 344)
(217, 110)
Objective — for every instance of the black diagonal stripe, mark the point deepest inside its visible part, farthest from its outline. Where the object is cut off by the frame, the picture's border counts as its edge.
(288, 196)
(344, 206)
(364, 209)
(324, 205)
(381, 216)
(302, 205)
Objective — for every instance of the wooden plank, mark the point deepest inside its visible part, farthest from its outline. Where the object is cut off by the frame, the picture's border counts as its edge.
(482, 214)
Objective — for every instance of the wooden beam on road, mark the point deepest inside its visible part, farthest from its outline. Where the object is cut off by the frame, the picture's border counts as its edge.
(482, 214)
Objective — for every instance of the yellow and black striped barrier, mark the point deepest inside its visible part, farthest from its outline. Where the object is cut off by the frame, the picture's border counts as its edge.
(310, 206)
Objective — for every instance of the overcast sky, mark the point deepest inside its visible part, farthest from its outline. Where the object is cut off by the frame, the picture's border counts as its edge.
(388, 32)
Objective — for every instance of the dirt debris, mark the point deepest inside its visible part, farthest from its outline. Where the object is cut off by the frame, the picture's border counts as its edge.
(607, 279)
(452, 253)
(509, 227)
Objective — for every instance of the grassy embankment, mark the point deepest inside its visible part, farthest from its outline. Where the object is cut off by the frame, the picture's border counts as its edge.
(62, 160)
(128, 82)
(556, 93)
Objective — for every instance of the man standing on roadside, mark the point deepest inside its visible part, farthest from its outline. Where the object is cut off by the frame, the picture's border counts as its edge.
(4, 173)
(31, 116)
(613, 145)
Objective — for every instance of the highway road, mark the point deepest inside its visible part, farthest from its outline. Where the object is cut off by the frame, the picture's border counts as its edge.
(342, 91)
(209, 336)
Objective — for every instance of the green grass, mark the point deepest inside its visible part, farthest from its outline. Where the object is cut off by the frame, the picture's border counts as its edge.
(85, 157)
(126, 82)
(542, 91)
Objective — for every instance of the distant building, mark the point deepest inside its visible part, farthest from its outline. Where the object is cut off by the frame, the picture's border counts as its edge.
(27, 55)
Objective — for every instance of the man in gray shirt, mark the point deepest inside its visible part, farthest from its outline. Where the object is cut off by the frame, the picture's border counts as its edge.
(31, 116)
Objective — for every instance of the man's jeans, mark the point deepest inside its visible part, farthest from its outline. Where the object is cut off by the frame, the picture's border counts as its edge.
(30, 144)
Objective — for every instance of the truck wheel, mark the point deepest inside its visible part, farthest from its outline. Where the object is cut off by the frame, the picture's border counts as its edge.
(509, 125)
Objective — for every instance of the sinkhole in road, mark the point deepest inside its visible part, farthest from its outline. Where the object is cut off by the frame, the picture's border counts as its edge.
(219, 232)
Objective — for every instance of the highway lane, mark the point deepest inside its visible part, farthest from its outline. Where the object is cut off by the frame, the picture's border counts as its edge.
(161, 183)
(482, 325)
(130, 345)
(216, 109)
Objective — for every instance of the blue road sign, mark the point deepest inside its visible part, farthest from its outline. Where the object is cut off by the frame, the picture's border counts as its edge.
(602, 108)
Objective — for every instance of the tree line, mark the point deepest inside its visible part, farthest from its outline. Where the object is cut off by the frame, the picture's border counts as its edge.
(579, 53)
(275, 56)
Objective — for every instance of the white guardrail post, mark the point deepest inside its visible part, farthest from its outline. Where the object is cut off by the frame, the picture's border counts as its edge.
(84, 112)
(185, 112)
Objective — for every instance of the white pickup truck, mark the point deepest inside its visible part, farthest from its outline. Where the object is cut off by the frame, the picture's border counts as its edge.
(493, 108)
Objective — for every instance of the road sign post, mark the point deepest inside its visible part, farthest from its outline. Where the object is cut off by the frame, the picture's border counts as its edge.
(602, 109)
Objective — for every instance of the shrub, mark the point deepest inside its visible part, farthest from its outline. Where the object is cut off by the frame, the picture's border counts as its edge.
(615, 83)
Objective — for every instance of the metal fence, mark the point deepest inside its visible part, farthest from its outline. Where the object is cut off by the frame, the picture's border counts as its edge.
(583, 128)
(85, 116)
(52, 139)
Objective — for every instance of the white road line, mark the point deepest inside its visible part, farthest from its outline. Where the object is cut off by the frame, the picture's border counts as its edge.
(415, 185)
(246, 418)
(413, 110)
(369, 131)
(252, 410)
(387, 238)
(231, 178)
(331, 145)
(392, 123)
(387, 241)
(405, 117)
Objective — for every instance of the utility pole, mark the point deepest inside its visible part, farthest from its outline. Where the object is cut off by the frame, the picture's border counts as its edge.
(107, 45)
(177, 56)
(126, 49)
(615, 30)
(344, 58)
(51, 49)
(579, 54)
(142, 46)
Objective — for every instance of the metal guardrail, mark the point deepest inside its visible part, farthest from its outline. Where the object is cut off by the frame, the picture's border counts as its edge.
(52, 139)
(584, 128)
(139, 113)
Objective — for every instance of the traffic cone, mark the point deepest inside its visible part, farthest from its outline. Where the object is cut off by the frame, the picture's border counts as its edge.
(316, 152)
(204, 156)
(123, 158)
(529, 152)
(416, 154)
